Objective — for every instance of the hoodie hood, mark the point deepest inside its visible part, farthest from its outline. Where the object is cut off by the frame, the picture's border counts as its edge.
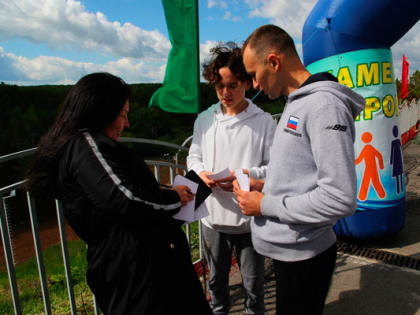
(246, 114)
(233, 142)
(354, 101)
(311, 180)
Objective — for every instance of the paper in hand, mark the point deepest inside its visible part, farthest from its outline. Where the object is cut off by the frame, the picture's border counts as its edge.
(243, 181)
(187, 212)
(238, 171)
(203, 191)
(201, 212)
(220, 175)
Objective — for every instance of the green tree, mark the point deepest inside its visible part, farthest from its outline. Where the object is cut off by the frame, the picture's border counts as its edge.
(414, 85)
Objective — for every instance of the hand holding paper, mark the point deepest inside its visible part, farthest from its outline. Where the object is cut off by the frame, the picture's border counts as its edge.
(220, 175)
(187, 211)
(249, 202)
(243, 181)
(224, 179)
(204, 175)
(185, 194)
(196, 209)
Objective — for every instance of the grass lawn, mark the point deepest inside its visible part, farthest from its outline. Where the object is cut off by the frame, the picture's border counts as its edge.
(30, 293)
(194, 241)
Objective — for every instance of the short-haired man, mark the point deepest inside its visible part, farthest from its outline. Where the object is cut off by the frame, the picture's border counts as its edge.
(311, 180)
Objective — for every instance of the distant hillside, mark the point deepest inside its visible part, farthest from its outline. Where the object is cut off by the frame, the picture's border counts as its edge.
(27, 112)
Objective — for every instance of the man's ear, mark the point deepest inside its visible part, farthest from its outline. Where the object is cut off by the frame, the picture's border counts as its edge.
(274, 61)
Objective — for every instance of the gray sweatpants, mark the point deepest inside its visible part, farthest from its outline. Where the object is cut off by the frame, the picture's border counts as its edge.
(218, 249)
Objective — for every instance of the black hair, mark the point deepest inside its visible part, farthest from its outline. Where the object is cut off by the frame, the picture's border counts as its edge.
(225, 55)
(92, 103)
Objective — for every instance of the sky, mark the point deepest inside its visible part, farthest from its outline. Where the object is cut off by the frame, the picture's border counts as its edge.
(59, 41)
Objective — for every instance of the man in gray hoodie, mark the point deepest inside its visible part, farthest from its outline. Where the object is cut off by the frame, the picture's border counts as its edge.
(311, 180)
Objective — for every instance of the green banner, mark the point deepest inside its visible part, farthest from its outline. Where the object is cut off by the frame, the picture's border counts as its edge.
(180, 90)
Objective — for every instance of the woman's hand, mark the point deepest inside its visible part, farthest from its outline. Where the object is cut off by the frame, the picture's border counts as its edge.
(185, 194)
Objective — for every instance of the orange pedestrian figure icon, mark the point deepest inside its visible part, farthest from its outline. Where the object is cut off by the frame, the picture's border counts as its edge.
(369, 154)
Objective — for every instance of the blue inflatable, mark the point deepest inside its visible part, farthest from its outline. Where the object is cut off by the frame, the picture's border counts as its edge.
(351, 39)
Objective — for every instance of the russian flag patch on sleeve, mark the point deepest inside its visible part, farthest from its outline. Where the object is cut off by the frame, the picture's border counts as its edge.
(293, 122)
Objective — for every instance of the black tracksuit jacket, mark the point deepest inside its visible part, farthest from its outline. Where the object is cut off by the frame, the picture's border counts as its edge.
(138, 256)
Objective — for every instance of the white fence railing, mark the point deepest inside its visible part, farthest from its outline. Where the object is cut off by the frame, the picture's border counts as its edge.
(5, 225)
(409, 119)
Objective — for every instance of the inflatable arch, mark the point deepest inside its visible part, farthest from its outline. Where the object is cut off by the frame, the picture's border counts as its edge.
(352, 40)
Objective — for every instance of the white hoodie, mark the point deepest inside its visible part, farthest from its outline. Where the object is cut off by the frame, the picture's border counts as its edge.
(235, 142)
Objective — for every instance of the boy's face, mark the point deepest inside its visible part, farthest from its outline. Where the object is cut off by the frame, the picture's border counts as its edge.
(230, 91)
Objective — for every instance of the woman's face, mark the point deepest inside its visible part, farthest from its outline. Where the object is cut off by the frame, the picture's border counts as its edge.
(115, 129)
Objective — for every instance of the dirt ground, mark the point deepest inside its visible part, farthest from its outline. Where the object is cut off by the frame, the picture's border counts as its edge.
(23, 243)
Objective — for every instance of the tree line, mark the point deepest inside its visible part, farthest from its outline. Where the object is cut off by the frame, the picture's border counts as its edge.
(26, 112)
(413, 86)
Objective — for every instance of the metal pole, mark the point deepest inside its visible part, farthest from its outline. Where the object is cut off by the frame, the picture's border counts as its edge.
(38, 251)
(66, 259)
(171, 175)
(9, 261)
(95, 306)
(188, 232)
(202, 259)
(157, 173)
(9, 224)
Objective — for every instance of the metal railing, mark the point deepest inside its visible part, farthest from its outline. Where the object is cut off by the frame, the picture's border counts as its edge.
(10, 191)
(187, 141)
(409, 119)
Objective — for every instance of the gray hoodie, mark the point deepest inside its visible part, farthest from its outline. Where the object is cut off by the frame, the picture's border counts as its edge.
(311, 180)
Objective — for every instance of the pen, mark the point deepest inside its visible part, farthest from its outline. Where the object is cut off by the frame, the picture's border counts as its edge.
(169, 186)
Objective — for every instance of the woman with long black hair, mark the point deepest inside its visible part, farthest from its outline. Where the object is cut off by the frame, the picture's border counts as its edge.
(138, 256)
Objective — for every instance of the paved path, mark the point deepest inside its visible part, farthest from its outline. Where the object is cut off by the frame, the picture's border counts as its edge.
(365, 286)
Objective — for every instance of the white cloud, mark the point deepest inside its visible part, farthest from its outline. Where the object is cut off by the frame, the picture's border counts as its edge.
(140, 55)
(211, 4)
(68, 25)
(289, 16)
(223, 5)
(55, 70)
(228, 16)
(292, 18)
(205, 50)
(409, 45)
(217, 4)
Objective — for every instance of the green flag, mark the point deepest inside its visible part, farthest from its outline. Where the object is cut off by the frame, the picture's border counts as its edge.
(180, 90)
